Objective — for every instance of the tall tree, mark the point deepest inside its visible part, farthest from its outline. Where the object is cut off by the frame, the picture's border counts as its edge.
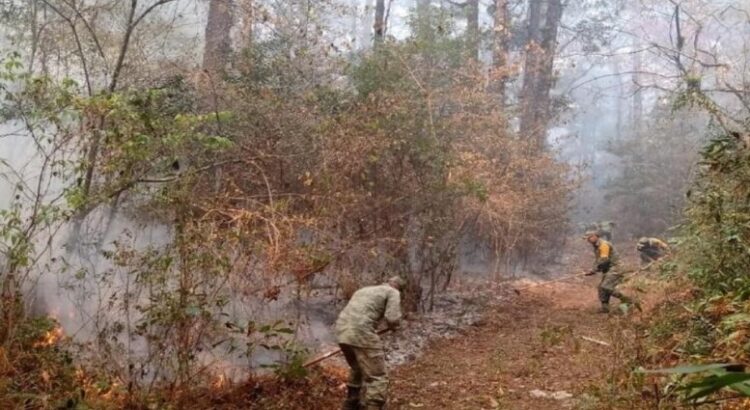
(637, 108)
(472, 28)
(218, 43)
(379, 25)
(247, 16)
(500, 48)
(543, 26)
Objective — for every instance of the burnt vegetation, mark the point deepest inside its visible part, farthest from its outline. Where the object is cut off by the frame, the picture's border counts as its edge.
(187, 179)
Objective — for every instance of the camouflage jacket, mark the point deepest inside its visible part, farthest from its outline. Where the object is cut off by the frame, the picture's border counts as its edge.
(646, 244)
(357, 322)
(605, 256)
(605, 227)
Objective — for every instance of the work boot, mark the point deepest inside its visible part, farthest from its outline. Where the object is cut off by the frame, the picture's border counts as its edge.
(352, 399)
(604, 308)
(630, 301)
(374, 405)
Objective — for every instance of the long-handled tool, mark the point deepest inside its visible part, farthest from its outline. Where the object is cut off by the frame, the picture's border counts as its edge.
(563, 278)
(332, 353)
(322, 357)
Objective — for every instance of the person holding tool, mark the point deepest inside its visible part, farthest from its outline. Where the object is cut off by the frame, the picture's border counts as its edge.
(363, 350)
(605, 262)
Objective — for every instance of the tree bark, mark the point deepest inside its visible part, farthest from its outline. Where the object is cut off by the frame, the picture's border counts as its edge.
(379, 25)
(218, 43)
(500, 49)
(538, 72)
(531, 66)
(247, 16)
(637, 109)
(472, 28)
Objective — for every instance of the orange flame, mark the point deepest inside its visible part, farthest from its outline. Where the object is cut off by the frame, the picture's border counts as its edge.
(50, 337)
(220, 382)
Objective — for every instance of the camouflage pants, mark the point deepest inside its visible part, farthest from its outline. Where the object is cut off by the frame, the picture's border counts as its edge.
(608, 287)
(648, 256)
(368, 371)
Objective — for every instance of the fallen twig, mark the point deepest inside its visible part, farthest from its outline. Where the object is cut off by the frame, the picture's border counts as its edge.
(592, 340)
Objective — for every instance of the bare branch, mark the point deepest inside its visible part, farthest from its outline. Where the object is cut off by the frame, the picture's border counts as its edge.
(79, 47)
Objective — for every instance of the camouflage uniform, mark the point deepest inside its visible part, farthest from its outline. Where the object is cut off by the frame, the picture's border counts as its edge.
(651, 249)
(361, 345)
(605, 229)
(605, 262)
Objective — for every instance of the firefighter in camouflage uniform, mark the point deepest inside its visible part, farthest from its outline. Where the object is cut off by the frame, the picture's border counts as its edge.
(605, 262)
(651, 250)
(359, 341)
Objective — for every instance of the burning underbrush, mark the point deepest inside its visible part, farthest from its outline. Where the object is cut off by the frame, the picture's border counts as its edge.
(36, 371)
(42, 368)
(39, 370)
(320, 389)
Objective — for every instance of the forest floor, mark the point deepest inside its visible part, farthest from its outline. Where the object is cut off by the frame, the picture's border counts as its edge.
(529, 353)
(544, 347)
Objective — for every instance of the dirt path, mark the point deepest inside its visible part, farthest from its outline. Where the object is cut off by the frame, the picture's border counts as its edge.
(524, 352)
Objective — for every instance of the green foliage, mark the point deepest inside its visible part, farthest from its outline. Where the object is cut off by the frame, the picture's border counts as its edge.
(720, 376)
(657, 167)
(716, 236)
(714, 251)
(400, 67)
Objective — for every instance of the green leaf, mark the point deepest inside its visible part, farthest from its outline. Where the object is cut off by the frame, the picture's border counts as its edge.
(193, 310)
(686, 369)
(712, 384)
(736, 319)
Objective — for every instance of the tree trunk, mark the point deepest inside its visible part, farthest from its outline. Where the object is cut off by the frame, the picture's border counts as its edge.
(247, 16)
(472, 28)
(538, 72)
(637, 109)
(546, 75)
(500, 49)
(379, 25)
(218, 48)
(531, 66)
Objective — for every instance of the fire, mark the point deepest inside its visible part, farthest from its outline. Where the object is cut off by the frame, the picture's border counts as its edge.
(220, 382)
(46, 376)
(50, 337)
(112, 392)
